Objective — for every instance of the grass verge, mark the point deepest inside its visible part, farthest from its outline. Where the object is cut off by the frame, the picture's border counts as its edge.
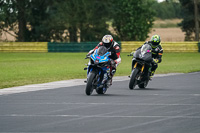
(18, 69)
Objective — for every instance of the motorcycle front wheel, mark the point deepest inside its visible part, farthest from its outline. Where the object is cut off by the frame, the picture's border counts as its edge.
(133, 80)
(89, 87)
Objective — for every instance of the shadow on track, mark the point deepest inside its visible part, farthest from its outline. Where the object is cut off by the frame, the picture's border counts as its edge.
(150, 89)
(117, 95)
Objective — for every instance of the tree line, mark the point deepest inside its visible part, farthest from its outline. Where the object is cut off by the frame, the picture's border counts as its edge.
(85, 20)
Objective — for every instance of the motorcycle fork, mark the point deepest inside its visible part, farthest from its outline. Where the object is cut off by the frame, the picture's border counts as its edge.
(141, 70)
(96, 78)
(99, 78)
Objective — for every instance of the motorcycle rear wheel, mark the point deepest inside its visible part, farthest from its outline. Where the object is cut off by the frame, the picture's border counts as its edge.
(89, 87)
(101, 90)
(133, 81)
(143, 85)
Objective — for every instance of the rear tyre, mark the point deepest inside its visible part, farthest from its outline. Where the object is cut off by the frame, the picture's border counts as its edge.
(133, 80)
(101, 90)
(143, 85)
(89, 86)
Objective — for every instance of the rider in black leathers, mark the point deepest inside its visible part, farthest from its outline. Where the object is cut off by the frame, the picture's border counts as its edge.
(157, 52)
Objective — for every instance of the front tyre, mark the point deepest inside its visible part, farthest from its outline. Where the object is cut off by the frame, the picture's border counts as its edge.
(89, 86)
(133, 80)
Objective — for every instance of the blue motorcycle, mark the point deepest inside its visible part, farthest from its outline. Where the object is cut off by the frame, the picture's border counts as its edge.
(98, 71)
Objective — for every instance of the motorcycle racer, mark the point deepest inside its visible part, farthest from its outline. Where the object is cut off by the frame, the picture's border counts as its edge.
(157, 52)
(112, 47)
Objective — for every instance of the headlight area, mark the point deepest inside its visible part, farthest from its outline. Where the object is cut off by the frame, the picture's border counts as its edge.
(96, 61)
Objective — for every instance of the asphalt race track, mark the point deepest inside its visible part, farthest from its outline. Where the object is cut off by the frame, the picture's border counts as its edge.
(170, 104)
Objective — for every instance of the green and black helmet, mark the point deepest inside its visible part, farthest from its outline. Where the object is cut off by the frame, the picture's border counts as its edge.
(155, 39)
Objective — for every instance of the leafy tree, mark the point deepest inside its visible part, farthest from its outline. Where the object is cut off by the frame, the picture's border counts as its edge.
(73, 20)
(44, 25)
(167, 9)
(8, 16)
(86, 18)
(93, 25)
(28, 19)
(133, 19)
(49, 20)
(188, 23)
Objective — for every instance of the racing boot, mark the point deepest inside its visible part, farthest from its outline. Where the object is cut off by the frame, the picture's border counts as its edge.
(109, 82)
(111, 76)
(151, 75)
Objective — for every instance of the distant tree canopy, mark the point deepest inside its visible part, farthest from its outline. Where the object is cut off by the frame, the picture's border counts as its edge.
(168, 9)
(82, 20)
(49, 20)
(183, 9)
(188, 23)
(133, 19)
(76, 20)
(28, 19)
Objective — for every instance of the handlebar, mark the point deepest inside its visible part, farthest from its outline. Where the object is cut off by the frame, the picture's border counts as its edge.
(87, 57)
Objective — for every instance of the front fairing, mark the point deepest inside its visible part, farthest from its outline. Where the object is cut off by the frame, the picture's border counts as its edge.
(144, 53)
(100, 55)
(100, 59)
(146, 57)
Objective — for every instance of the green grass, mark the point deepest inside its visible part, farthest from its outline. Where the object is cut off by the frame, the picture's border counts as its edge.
(18, 69)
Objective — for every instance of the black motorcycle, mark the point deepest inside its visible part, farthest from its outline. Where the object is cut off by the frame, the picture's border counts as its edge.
(141, 67)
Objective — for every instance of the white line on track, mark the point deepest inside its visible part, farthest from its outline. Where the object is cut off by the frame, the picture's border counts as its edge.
(61, 84)
(103, 116)
(110, 104)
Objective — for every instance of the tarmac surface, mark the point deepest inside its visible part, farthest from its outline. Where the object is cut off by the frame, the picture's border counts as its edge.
(169, 104)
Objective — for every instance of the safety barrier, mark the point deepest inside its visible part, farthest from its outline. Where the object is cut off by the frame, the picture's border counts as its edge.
(180, 46)
(199, 46)
(126, 46)
(129, 46)
(71, 47)
(23, 47)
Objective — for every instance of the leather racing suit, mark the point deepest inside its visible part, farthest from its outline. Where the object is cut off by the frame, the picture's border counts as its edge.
(157, 53)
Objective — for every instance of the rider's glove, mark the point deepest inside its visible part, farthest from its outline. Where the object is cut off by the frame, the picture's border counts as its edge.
(155, 60)
(132, 53)
(89, 53)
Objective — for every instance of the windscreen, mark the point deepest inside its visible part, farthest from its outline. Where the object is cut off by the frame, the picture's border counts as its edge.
(102, 50)
(145, 49)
